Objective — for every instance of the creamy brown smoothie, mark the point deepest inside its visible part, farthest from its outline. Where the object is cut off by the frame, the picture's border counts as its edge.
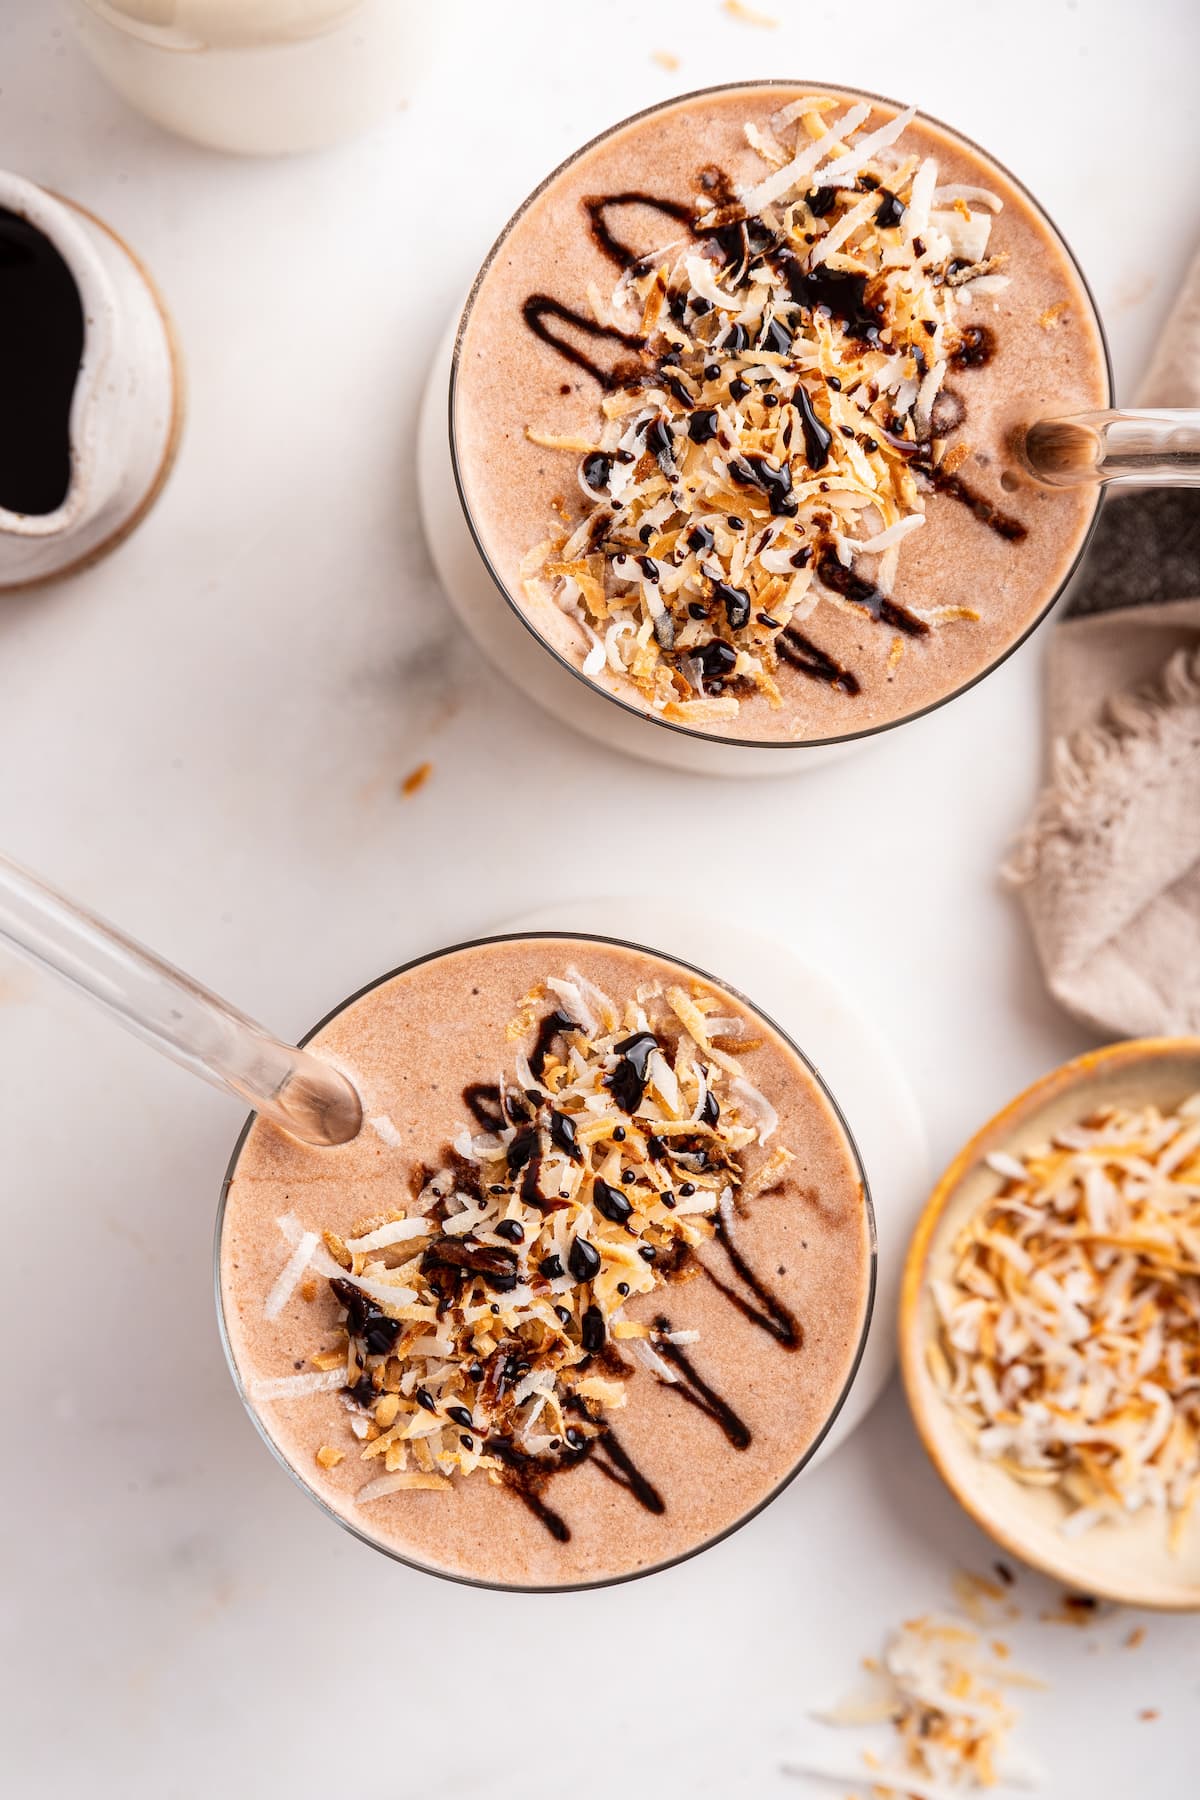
(737, 407)
(587, 1288)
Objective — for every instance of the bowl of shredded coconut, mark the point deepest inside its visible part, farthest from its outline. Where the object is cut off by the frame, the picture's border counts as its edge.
(1050, 1324)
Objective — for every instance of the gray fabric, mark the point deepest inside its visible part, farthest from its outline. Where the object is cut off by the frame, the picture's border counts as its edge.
(1108, 868)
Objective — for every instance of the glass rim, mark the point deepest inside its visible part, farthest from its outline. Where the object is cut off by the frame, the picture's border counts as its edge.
(691, 731)
(603, 1581)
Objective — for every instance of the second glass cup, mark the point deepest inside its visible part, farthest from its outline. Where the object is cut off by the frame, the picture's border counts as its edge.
(586, 1291)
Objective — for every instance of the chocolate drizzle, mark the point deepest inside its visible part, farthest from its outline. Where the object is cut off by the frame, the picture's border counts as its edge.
(817, 436)
(612, 1459)
(844, 581)
(540, 307)
(801, 653)
(528, 1476)
(627, 1082)
(766, 1309)
(482, 1101)
(838, 292)
(976, 346)
(693, 1388)
(551, 1027)
(597, 205)
(1002, 523)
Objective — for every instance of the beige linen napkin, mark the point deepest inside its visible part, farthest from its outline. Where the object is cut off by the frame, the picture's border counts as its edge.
(1108, 868)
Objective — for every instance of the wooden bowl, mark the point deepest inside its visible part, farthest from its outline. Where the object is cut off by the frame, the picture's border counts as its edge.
(1132, 1563)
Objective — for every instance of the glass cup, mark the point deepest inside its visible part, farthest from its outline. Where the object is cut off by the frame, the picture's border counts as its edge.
(279, 1157)
(1089, 449)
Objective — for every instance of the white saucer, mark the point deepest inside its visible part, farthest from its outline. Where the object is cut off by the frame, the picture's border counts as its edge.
(857, 1065)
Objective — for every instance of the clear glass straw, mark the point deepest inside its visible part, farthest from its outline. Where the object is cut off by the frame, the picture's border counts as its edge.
(1121, 449)
(297, 1091)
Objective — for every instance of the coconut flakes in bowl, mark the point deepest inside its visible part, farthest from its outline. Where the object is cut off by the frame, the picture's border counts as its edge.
(1067, 1339)
(769, 452)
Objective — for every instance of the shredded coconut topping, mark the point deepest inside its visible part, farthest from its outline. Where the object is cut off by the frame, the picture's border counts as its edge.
(1068, 1337)
(487, 1328)
(773, 439)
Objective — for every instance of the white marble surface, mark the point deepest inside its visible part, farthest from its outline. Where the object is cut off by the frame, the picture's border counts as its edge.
(205, 738)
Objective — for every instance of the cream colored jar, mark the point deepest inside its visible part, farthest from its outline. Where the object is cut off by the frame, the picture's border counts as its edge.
(262, 77)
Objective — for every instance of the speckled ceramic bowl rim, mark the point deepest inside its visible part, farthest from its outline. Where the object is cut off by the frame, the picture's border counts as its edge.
(783, 745)
(752, 1512)
(1075, 1073)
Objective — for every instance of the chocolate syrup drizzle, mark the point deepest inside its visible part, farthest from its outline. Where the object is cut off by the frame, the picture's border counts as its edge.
(699, 1393)
(799, 652)
(540, 307)
(597, 205)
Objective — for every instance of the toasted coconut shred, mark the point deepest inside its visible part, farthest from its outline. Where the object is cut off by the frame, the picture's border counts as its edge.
(768, 454)
(484, 1331)
(1068, 1334)
(939, 1687)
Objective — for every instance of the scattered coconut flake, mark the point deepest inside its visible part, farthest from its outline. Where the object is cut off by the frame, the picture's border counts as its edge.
(894, 534)
(847, 167)
(383, 1128)
(291, 1274)
(396, 1232)
(648, 1355)
(973, 196)
(939, 1685)
(758, 1105)
(392, 1484)
(295, 1387)
(803, 163)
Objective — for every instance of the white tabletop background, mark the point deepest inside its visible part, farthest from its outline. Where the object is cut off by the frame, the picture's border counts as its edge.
(205, 737)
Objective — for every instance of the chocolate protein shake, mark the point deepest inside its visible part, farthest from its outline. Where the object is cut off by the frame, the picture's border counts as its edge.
(737, 407)
(587, 1288)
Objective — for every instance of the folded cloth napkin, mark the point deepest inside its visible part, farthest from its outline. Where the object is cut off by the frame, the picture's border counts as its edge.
(1108, 867)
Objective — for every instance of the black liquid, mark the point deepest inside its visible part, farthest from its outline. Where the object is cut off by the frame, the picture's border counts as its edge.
(736, 602)
(41, 347)
(716, 659)
(755, 470)
(613, 1460)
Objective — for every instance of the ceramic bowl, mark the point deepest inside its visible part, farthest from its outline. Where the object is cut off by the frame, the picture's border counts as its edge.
(1132, 1563)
